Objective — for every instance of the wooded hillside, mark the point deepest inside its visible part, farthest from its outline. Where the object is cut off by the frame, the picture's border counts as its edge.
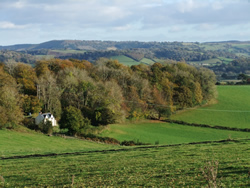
(100, 94)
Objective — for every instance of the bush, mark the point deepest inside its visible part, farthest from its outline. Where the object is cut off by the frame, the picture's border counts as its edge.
(46, 127)
(73, 120)
(95, 138)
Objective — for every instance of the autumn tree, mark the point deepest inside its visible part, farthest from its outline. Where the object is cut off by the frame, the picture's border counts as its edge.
(26, 77)
(10, 103)
(49, 94)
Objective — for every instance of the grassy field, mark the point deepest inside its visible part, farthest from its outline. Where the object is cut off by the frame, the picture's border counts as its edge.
(212, 61)
(17, 143)
(147, 61)
(174, 166)
(209, 61)
(68, 51)
(231, 110)
(46, 57)
(163, 165)
(125, 60)
(167, 133)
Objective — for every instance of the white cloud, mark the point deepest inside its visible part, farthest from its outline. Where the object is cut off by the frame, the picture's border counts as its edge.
(189, 5)
(9, 25)
(205, 27)
(120, 19)
(176, 29)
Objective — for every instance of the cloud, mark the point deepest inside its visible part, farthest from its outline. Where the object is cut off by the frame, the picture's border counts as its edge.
(9, 25)
(176, 29)
(130, 18)
(205, 27)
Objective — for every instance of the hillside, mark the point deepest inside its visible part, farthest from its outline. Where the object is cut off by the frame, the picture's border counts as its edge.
(14, 143)
(231, 110)
(172, 166)
(227, 59)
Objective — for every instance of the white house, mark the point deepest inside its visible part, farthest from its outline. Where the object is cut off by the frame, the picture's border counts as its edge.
(45, 117)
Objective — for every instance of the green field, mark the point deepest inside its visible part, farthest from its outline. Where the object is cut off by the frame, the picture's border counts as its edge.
(125, 60)
(16, 143)
(171, 163)
(212, 61)
(167, 133)
(209, 61)
(213, 46)
(231, 110)
(69, 51)
(46, 57)
(147, 61)
(174, 166)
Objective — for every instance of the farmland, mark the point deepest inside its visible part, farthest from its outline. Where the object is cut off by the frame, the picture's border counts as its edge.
(176, 157)
(174, 166)
(231, 110)
(167, 133)
(18, 143)
(125, 60)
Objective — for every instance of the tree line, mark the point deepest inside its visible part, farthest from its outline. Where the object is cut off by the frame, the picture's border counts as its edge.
(79, 93)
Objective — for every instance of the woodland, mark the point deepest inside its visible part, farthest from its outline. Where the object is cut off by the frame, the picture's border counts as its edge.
(81, 94)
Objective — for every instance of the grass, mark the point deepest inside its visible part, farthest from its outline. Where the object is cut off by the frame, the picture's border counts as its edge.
(68, 51)
(232, 109)
(212, 61)
(175, 166)
(166, 133)
(147, 61)
(125, 60)
(225, 60)
(213, 46)
(18, 143)
(209, 61)
(46, 57)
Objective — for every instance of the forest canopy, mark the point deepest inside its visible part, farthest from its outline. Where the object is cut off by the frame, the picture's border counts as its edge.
(105, 93)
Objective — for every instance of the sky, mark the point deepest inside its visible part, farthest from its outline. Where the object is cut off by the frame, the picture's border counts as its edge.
(37, 21)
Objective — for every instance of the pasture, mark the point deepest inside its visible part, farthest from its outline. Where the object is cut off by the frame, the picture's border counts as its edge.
(167, 133)
(165, 166)
(19, 143)
(125, 60)
(147, 61)
(231, 110)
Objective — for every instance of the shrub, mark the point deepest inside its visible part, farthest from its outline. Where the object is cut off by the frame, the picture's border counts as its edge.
(46, 127)
(73, 120)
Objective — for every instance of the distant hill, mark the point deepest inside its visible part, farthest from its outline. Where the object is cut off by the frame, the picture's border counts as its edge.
(214, 55)
(113, 45)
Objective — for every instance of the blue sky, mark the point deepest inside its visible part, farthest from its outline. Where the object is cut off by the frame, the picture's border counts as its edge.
(36, 21)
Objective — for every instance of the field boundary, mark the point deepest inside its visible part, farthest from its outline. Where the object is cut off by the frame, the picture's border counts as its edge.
(206, 126)
(119, 150)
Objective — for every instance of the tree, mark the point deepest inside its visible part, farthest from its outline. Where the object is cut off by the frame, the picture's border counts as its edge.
(26, 77)
(73, 120)
(10, 103)
(49, 94)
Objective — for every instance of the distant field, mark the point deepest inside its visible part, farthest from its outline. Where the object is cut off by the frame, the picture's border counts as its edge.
(209, 61)
(125, 60)
(68, 51)
(225, 60)
(232, 109)
(46, 57)
(241, 45)
(243, 54)
(166, 133)
(174, 166)
(16, 143)
(214, 46)
(212, 61)
(147, 61)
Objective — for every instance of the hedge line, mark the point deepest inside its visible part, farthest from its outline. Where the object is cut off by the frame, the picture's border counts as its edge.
(207, 126)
